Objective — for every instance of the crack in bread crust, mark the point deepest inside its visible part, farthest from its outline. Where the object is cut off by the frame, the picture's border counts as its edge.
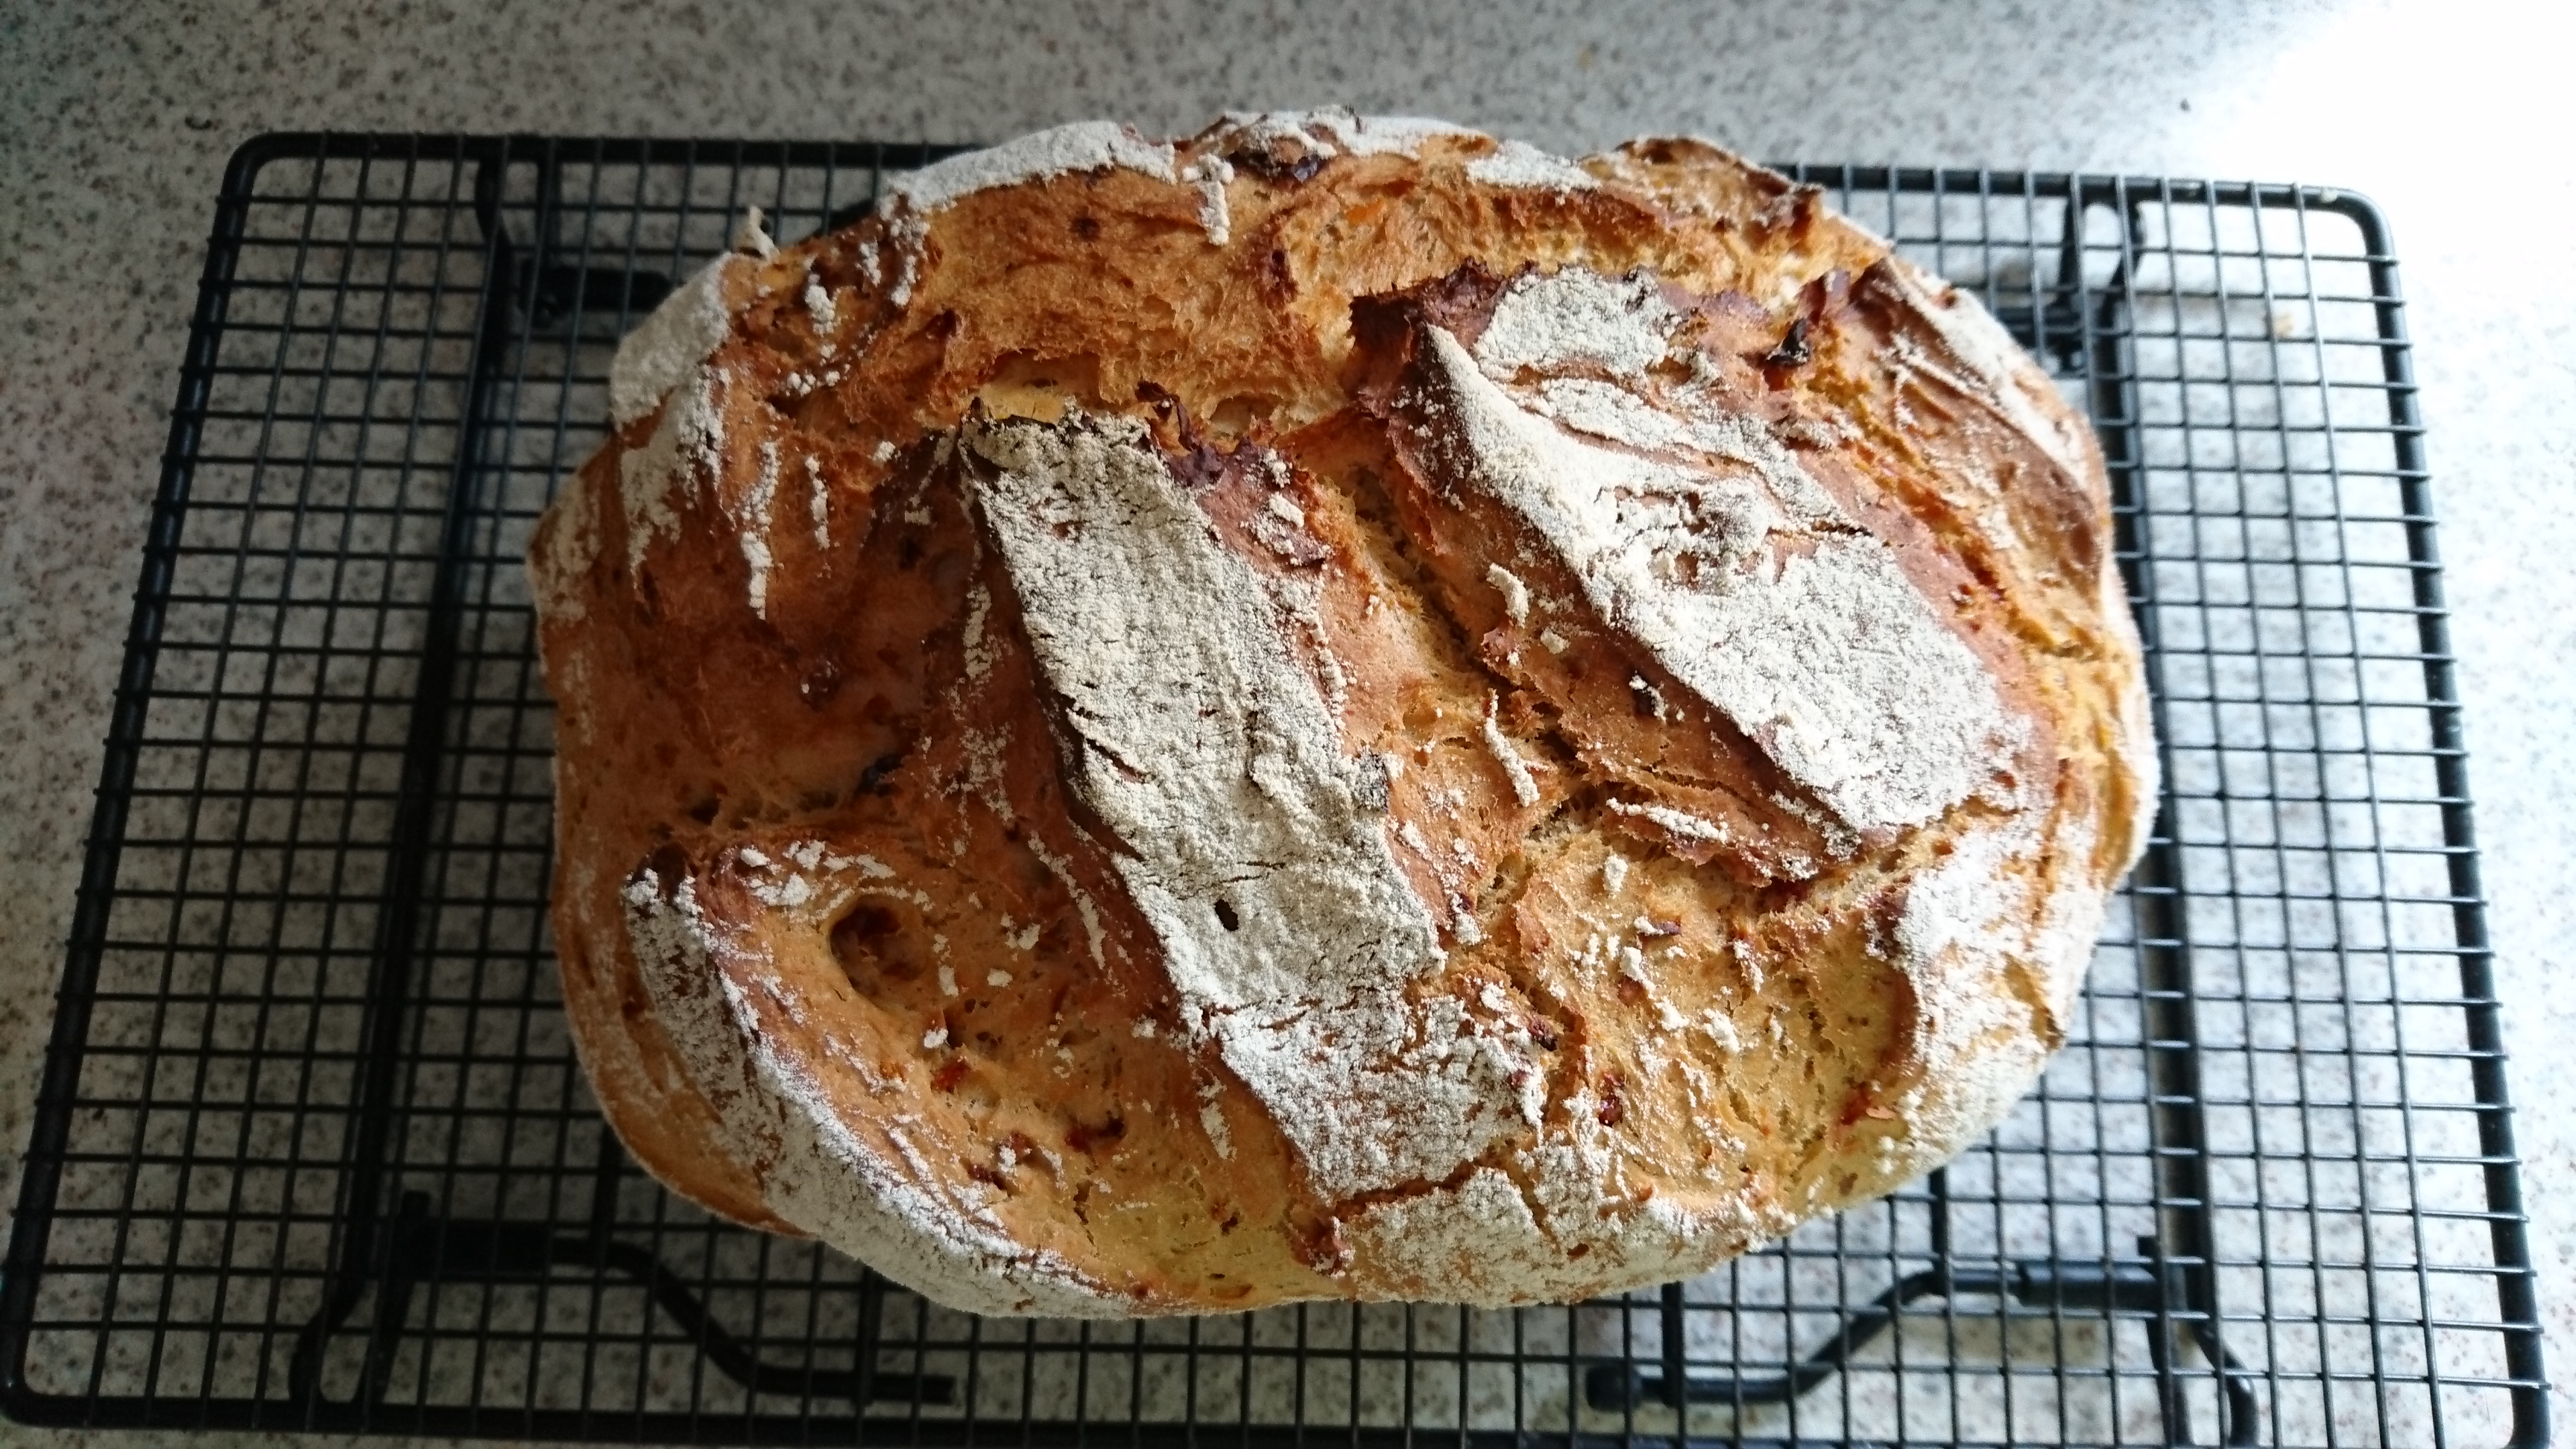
(1086, 779)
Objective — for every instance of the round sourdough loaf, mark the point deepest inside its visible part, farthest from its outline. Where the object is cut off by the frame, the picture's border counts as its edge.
(1337, 709)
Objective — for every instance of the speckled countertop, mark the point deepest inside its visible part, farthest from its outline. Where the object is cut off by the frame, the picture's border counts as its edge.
(115, 122)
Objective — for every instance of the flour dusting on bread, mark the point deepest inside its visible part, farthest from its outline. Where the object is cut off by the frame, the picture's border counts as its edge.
(666, 349)
(899, 1218)
(1241, 828)
(1573, 317)
(1826, 654)
(1037, 157)
(659, 479)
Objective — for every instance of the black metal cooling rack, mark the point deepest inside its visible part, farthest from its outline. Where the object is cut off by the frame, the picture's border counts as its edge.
(312, 1152)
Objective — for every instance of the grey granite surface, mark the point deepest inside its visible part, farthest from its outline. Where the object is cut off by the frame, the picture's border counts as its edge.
(115, 122)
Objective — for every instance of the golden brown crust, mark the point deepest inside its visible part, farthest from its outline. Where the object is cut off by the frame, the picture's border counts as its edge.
(861, 934)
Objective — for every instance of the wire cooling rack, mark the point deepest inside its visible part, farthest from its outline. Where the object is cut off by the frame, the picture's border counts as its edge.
(312, 1151)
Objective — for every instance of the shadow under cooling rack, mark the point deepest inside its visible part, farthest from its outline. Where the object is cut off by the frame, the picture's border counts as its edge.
(312, 1150)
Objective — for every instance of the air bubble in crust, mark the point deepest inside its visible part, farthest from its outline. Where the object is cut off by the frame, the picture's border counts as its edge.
(872, 948)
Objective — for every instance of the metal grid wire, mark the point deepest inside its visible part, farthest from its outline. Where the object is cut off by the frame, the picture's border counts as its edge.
(312, 1150)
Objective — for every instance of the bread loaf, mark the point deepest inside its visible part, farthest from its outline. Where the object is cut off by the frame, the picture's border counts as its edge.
(1341, 708)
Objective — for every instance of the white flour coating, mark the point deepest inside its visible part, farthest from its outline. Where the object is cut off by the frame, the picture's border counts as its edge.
(1552, 322)
(1335, 129)
(1578, 1185)
(819, 302)
(682, 453)
(1459, 1244)
(978, 649)
(1515, 769)
(1607, 410)
(755, 529)
(1969, 925)
(1094, 933)
(2070, 919)
(1828, 658)
(1210, 175)
(732, 1013)
(1492, 1241)
(818, 503)
(1516, 595)
(1387, 135)
(1212, 1122)
(1681, 823)
(572, 546)
(683, 332)
(908, 233)
(1840, 842)
(1999, 373)
(1296, 600)
(1195, 738)
(1520, 165)
(1080, 146)
(1242, 131)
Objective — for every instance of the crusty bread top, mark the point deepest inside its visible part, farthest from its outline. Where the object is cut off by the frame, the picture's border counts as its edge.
(1341, 709)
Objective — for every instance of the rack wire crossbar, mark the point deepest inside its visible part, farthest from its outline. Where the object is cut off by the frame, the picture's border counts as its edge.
(312, 1152)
